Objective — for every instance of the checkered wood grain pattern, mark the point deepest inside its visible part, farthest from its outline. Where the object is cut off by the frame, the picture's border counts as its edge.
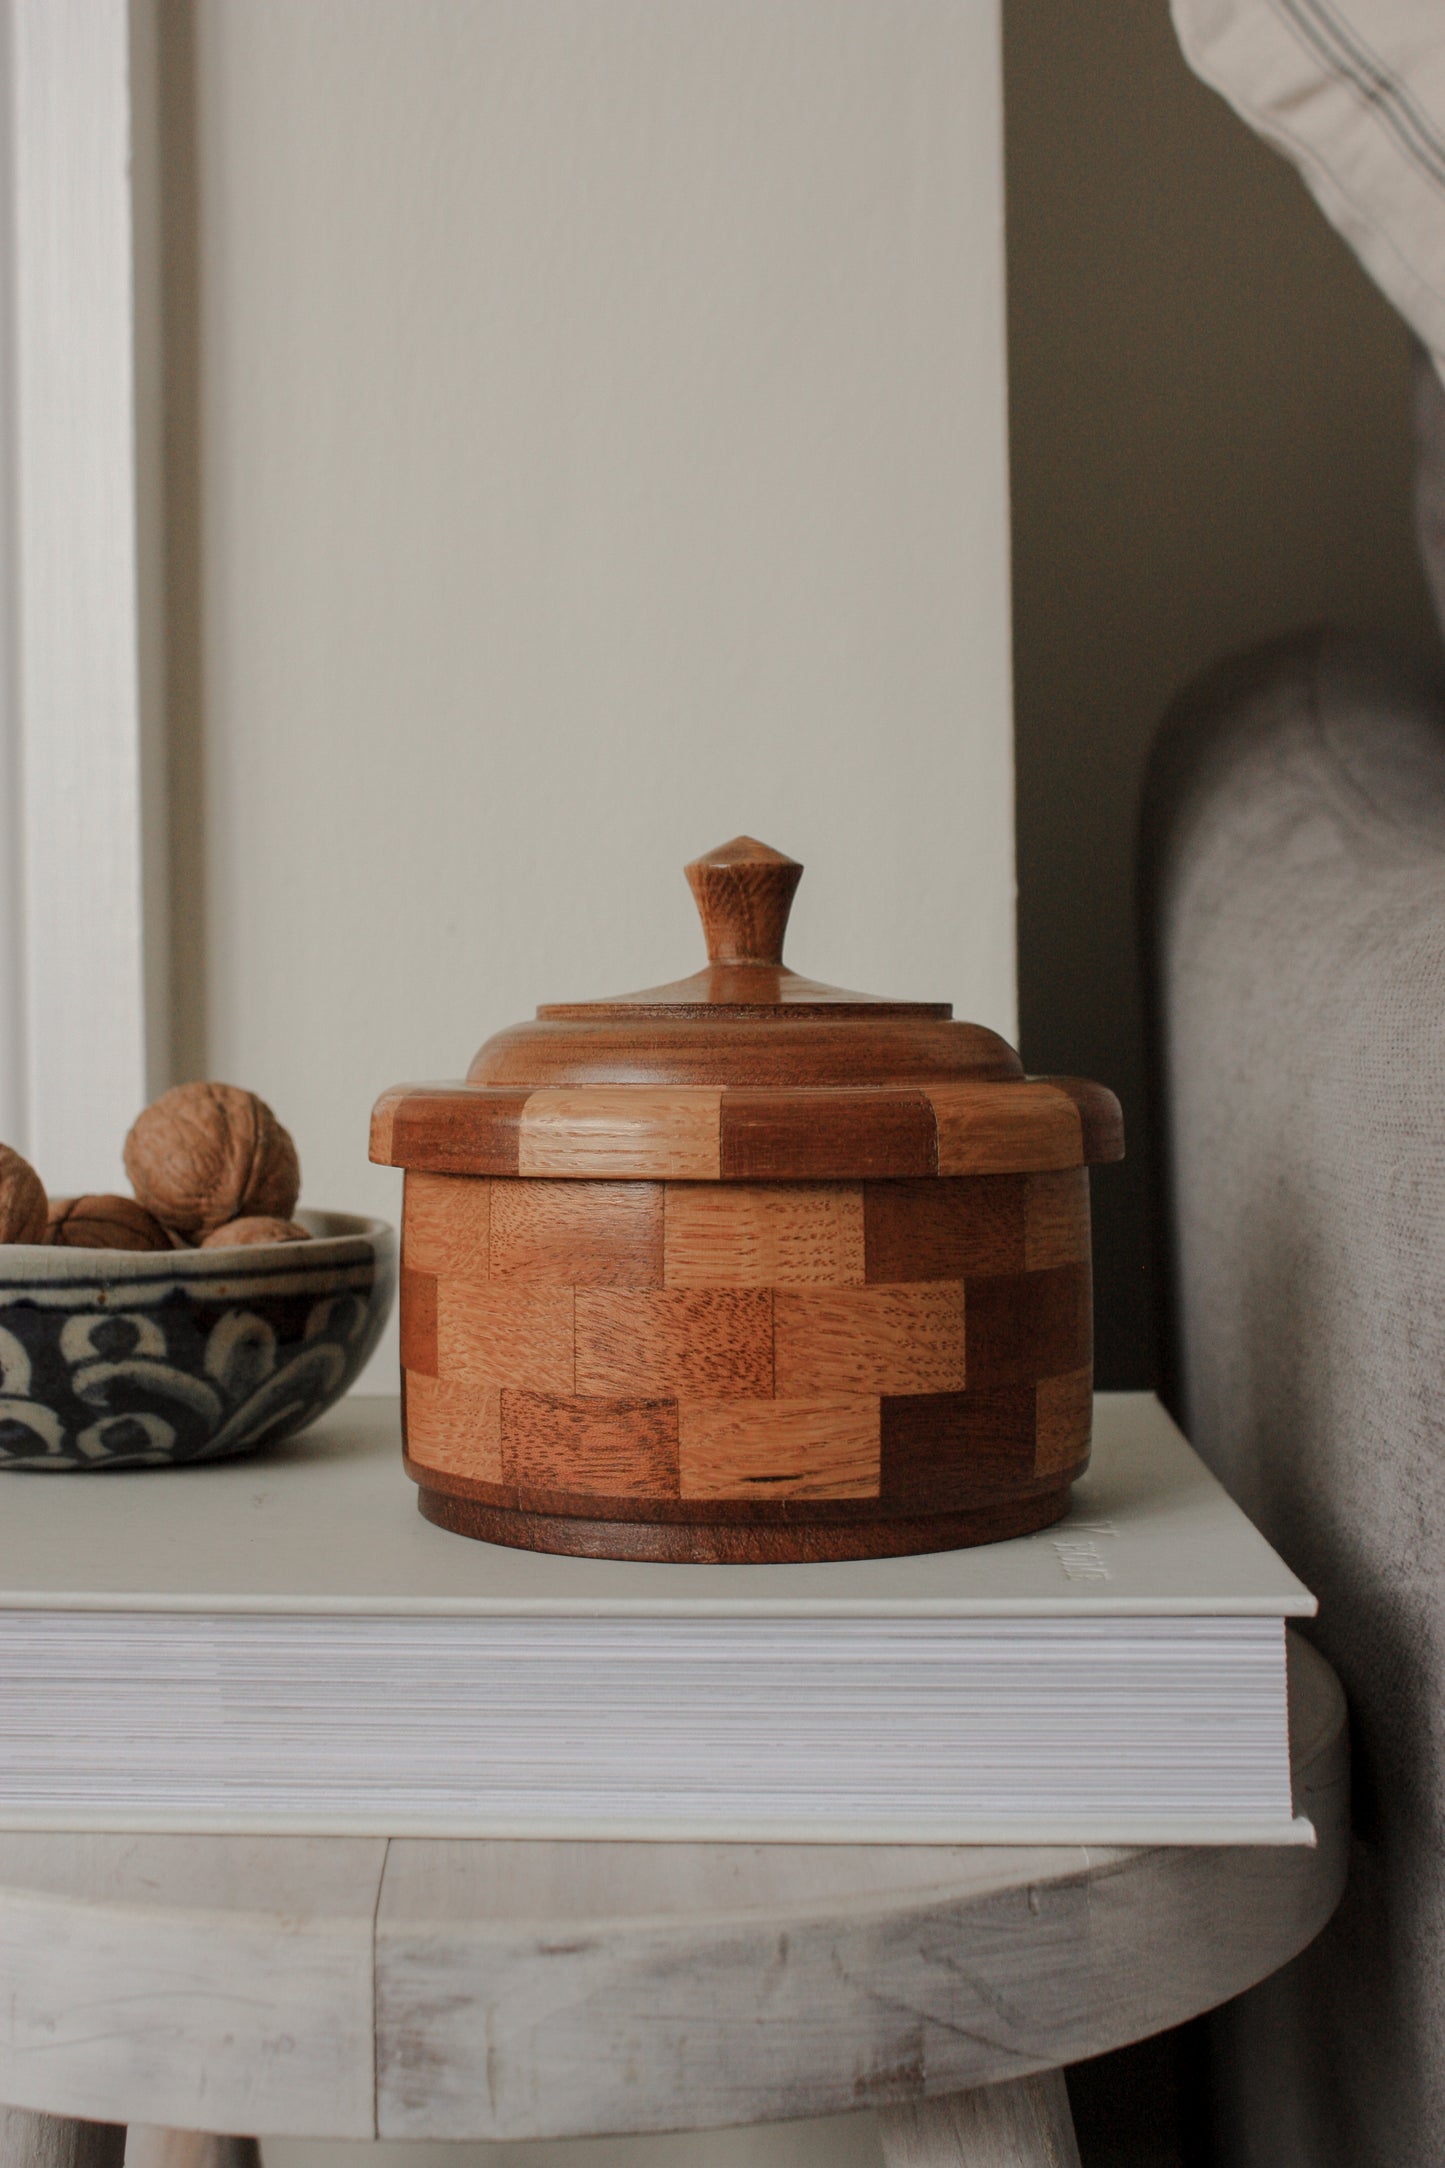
(688, 1349)
(713, 1133)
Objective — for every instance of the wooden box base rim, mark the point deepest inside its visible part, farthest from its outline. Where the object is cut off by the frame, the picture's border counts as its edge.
(696, 1543)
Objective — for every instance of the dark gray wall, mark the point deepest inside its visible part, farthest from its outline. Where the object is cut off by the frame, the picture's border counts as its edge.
(1210, 444)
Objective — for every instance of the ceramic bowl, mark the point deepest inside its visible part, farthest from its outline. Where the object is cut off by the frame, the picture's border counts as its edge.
(120, 1359)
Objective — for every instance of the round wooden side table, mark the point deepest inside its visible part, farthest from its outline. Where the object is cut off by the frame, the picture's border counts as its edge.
(402, 1988)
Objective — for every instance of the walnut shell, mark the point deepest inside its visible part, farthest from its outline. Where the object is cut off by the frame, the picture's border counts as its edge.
(104, 1223)
(205, 1154)
(22, 1199)
(257, 1227)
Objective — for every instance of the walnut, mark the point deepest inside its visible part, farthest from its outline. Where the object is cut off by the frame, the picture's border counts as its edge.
(22, 1199)
(205, 1154)
(104, 1223)
(257, 1227)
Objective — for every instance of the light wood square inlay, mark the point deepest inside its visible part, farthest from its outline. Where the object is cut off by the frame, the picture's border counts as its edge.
(582, 1234)
(623, 1130)
(445, 1224)
(775, 1234)
(509, 1332)
(869, 1339)
(778, 1448)
(712, 1343)
(454, 1427)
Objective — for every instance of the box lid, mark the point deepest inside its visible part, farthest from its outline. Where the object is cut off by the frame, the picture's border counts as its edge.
(745, 1071)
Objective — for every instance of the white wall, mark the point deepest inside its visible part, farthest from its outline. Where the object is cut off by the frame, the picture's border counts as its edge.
(587, 441)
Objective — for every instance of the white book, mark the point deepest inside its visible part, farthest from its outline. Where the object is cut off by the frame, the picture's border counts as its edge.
(281, 1643)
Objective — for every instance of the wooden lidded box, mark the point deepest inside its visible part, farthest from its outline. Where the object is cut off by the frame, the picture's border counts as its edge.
(746, 1268)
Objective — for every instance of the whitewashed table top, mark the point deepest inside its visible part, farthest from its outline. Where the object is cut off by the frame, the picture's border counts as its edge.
(400, 1988)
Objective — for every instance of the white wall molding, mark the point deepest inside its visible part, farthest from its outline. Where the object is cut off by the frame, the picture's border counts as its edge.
(13, 1097)
(74, 974)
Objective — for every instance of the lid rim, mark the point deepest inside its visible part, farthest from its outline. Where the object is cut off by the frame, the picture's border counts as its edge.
(770, 1049)
(962, 1126)
(860, 1008)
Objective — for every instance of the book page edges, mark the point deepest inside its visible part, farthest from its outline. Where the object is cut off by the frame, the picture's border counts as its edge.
(1074, 1831)
(1282, 1606)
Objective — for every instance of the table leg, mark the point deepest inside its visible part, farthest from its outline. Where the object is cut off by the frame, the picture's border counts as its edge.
(58, 2141)
(1023, 2123)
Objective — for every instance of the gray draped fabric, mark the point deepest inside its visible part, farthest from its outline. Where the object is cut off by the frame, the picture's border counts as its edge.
(1294, 910)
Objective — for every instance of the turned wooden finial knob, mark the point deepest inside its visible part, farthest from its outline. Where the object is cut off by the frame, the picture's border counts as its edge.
(744, 892)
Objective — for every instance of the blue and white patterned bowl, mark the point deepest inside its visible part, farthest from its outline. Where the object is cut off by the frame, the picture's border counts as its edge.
(126, 1359)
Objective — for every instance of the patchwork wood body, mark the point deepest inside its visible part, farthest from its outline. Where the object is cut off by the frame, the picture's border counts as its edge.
(735, 1371)
(746, 1267)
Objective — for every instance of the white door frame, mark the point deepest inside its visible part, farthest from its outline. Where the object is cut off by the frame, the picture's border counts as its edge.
(82, 1024)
